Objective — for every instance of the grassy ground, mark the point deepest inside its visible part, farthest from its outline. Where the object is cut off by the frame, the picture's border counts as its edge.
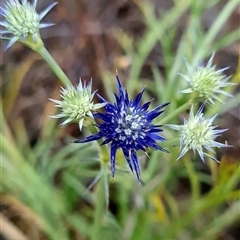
(54, 189)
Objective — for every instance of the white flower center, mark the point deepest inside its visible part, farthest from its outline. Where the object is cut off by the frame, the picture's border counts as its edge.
(129, 125)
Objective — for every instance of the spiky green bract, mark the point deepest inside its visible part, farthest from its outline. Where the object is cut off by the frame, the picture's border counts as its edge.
(206, 82)
(197, 133)
(22, 21)
(127, 124)
(77, 104)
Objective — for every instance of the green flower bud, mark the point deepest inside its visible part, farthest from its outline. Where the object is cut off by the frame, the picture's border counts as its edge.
(206, 82)
(77, 104)
(22, 21)
(197, 134)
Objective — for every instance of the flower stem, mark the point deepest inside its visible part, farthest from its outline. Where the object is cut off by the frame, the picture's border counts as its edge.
(101, 205)
(38, 46)
(170, 143)
(193, 179)
(104, 149)
(214, 171)
(176, 112)
(53, 65)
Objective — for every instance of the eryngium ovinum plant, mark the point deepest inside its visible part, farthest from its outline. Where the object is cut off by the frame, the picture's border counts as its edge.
(127, 124)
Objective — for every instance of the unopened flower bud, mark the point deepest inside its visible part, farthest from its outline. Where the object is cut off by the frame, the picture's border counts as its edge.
(206, 82)
(77, 104)
(22, 21)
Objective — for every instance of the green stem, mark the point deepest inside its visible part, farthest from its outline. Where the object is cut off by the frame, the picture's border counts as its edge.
(170, 143)
(193, 179)
(102, 148)
(214, 171)
(176, 112)
(38, 46)
(100, 206)
(53, 65)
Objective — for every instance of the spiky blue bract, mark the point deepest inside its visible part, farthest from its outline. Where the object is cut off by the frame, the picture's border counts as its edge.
(127, 124)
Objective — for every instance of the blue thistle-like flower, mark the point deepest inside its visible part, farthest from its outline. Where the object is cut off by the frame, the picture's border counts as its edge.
(206, 82)
(198, 133)
(127, 124)
(21, 20)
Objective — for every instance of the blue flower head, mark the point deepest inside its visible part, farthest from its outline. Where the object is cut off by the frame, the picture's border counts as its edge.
(127, 124)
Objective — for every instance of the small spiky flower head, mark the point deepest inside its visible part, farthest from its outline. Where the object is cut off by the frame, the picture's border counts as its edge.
(206, 82)
(198, 133)
(128, 125)
(22, 21)
(77, 104)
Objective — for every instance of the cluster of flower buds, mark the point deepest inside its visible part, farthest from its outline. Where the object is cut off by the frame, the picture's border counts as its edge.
(197, 133)
(126, 124)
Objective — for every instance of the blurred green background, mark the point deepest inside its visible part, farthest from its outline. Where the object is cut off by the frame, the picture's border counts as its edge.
(54, 189)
